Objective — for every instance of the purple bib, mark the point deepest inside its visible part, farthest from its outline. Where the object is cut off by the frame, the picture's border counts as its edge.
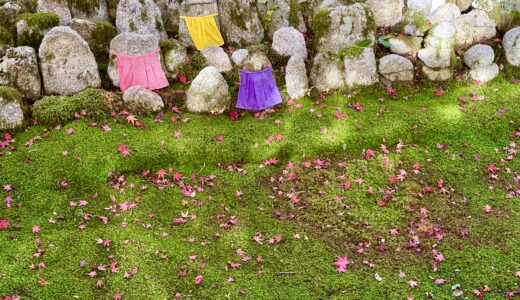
(258, 90)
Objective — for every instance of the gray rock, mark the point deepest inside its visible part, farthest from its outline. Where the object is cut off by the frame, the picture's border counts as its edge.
(511, 44)
(327, 73)
(396, 68)
(195, 8)
(8, 13)
(11, 112)
(129, 43)
(420, 5)
(83, 27)
(436, 4)
(256, 61)
(280, 13)
(66, 62)
(446, 13)
(218, 58)
(462, 4)
(442, 36)
(97, 11)
(173, 58)
(361, 69)
(349, 25)
(288, 41)
(474, 26)
(59, 7)
(296, 79)
(208, 93)
(386, 12)
(435, 58)
(238, 56)
(440, 74)
(138, 98)
(19, 68)
(484, 74)
(405, 45)
(240, 22)
(479, 56)
(140, 16)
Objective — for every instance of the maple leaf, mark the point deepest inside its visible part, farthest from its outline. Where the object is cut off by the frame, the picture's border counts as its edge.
(219, 138)
(183, 78)
(487, 208)
(177, 134)
(412, 283)
(338, 114)
(160, 173)
(370, 154)
(131, 119)
(347, 185)
(198, 280)
(35, 229)
(492, 168)
(123, 149)
(341, 264)
(4, 224)
(106, 128)
(439, 92)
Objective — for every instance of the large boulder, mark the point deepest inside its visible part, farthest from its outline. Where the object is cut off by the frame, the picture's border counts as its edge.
(174, 55)
(256, 61)
(139, 98)
(327, 72)
(67, 64)
(360, 69)
(11, 108)
(59, 7)
(288, 41)
(342, 26)
(442, 36)
(129, 43)
(436, 58)
(218, 58)
(437, 74)
(511, 44)
(396, 68)
(276, 14)
(415, 19)
(8, 13)
(19, 68)
(484, 74)
(445, 13)
(479, 56)
(386, 12)
(194, 8)
(240, 22)
(296, 79)
(405, 45)
(474, 26)
(140, 16)
(90, 10)
(208, 93)
(438, 54)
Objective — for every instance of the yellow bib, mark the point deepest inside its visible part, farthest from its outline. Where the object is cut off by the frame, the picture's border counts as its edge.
(204, 31)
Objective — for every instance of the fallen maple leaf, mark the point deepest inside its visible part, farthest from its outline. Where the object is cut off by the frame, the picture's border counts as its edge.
(4, 224)
(198, 280)
(341, 264)
(123, 149)
(35, 229)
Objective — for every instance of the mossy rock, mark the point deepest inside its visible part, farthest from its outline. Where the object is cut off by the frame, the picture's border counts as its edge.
(12, 108)
(321, 23)
(100, 37)
(86, 6)
(33, 27)
(52, 110)
(6, 38)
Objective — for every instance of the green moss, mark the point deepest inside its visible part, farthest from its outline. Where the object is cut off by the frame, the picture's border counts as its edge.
(237, 15)
(169, 44)
(51, 110)
(294, 9)
(196, 63)
(132, 26)
(10, 94)
(86, 6)
(101, 36)
(321, 23)
(6, 38)
(38, 24)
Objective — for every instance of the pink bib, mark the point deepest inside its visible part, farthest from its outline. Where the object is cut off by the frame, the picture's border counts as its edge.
(142, 70)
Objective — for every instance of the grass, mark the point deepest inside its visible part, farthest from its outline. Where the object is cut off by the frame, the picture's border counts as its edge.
(326, 227)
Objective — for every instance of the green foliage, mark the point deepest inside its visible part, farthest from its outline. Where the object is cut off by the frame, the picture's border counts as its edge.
(385, 40)
(101, 36)
(196, 63)
(321, 23)
(52, 110)
(6, 38)
(38, 24)
(169, 44)
(294, 10)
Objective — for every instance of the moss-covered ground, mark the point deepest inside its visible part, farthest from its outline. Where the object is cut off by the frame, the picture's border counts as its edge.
(421, 193)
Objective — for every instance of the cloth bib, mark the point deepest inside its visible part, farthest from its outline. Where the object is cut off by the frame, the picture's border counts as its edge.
(258, 90)
(143, 70)
(204, 31)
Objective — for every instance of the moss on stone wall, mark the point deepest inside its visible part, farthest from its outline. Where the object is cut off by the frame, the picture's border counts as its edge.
(86, 6)
(10, 94)
(38, 24)
(321, 23)
(6, 38)
(294, 10)
(101, 36)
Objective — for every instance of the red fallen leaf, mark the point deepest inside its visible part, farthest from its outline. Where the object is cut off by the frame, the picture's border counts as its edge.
(131, 119)
(234, 115)
(347, 185)
(439, 92)
(341, 264)
(492, 168)
(338, 114)
(118, 296)
(198, 280)
(183, 78)
(123, 149)
(219, 138)
(43, 282)
(35, 229)
(412, 283)
(487, 208)
(234, 265)
(392, 92)
(370, 154)
(160, 173)
(4, 224)
(70, 131)
(177, 134)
